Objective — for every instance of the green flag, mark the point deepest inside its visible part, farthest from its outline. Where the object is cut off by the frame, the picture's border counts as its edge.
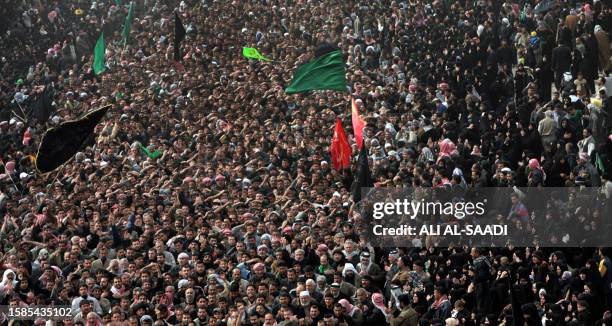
(523, 14)
(323, 72)
(157, 153)
(128, 23)
(98, 64)
(118, 3)
(252, 53)
(600, 164)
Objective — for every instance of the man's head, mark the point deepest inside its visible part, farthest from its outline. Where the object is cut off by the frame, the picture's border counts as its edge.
(475, 252)
(404, 300)
(86, 306)
(304, 298)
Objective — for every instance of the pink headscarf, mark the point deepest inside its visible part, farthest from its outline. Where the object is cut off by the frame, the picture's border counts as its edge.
(534, 164)
(447, 148)
(346, 305)
(10, 167)
(57, 270)
(378, 301)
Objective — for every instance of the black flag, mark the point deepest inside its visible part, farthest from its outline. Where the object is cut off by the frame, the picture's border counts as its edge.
(42, 106)
(325, 48)
(179, 35)
(61, 143)
(364, 178)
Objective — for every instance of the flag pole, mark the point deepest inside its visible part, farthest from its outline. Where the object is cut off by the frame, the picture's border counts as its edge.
(17, 116)
(126, 37)
(22, 111)
(14, 185)
(59, 171)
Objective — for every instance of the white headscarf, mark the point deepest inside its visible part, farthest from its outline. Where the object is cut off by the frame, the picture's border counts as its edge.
(348, 267)
(479, 30)
(5, 279)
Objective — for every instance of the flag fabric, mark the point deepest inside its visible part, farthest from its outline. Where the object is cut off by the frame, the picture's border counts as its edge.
(42, 106)
(340, 149)
(127, 26)
(600, 164)
(358, 123)
(364, 178)
(252, 53)
(324, 72)
(179, 35)
(61, 143)
(98, 65)
(156, 153)
(325, 48)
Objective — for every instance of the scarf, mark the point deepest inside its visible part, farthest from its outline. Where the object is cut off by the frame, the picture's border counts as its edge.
(436, 305)
(348, 267)
(379, 302)
(447, 148)
(5, 279)
(534, 164)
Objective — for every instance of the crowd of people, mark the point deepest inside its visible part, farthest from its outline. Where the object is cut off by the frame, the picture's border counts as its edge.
(242, 220)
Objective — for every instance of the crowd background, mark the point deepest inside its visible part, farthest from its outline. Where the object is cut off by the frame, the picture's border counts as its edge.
(242, 220)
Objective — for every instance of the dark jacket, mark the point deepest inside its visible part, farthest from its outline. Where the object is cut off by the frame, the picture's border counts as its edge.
(561, 58)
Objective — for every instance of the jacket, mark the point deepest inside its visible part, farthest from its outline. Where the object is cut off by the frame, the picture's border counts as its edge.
(407, 317)
(561, 59)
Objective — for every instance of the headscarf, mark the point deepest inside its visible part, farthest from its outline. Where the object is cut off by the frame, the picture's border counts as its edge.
(447, 148)
(348, 267)
(479, 30)
(5, 279)
(379, 302)
(350, 309)
(362, 267)
(534, 164)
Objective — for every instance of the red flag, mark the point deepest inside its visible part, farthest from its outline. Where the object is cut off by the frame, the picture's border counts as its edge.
(340, 148)
(358, 123)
